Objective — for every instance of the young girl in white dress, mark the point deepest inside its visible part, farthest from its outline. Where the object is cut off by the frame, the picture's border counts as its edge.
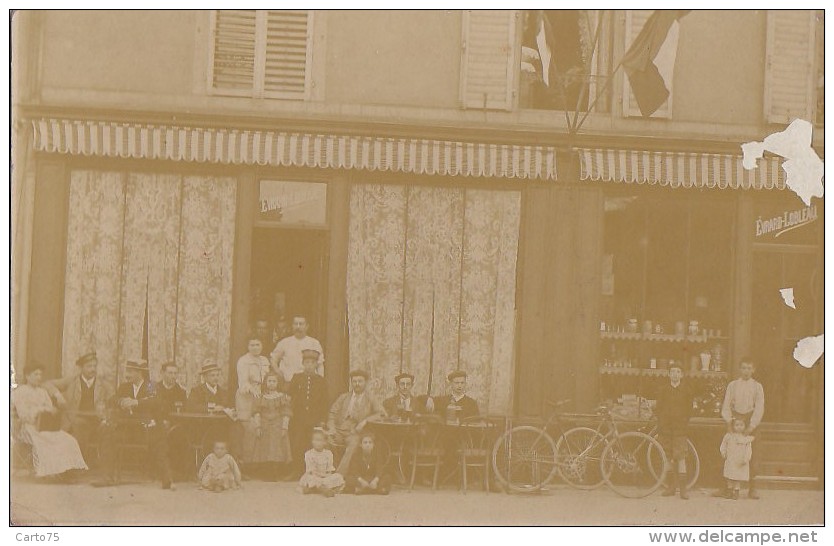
(321, 476)
(737, 449)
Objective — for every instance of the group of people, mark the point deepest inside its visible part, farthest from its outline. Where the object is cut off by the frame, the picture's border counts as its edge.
(742, 411)
(286, 428)
(283, 425)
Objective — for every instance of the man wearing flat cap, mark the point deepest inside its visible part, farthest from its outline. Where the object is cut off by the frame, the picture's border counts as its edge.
(404, 402)
(208, 396)
(83, 399)
(140, 419)
(455, 406)
(308, 393)
(349, 414)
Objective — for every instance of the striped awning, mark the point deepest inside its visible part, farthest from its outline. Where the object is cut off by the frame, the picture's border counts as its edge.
(680, 169)
(252, 147)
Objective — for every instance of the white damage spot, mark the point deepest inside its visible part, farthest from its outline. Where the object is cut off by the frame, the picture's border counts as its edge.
(802, 165)
(787, 295)
(808, 350)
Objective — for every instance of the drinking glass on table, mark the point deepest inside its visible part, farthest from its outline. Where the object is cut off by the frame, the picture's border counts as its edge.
(212, 407)
(178, 407)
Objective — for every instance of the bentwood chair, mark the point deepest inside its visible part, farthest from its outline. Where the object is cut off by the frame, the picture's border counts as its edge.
(477, 435)
(426, 448)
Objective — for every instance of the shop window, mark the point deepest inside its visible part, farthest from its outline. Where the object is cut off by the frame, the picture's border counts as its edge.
(294, 204)
(667, 272)
(261, 53)
(565, 60)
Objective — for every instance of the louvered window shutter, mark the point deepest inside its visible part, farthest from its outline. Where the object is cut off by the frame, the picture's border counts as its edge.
(789, 66)
(288, 54)
(488, 65)
(261, 53)
(233, 52)
(634, 21)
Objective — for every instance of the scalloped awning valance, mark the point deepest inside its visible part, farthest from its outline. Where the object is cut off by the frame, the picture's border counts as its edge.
(254, 147)
(680, 169)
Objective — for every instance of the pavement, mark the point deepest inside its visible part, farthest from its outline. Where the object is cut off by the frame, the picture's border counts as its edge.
(265, 503)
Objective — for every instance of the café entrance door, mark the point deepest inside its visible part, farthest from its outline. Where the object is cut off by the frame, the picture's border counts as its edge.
(289, 275)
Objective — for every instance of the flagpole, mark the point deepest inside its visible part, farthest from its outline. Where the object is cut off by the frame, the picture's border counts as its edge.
(588, 69)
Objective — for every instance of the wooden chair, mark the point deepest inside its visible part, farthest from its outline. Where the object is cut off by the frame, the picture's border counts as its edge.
(132, 447)
(427, 447)
(477, 437)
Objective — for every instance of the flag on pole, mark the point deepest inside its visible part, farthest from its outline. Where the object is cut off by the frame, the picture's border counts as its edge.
(649, 62)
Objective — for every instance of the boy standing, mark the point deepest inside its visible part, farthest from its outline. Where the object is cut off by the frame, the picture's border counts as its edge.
(674, 407)
(308, 393)
(744, 400)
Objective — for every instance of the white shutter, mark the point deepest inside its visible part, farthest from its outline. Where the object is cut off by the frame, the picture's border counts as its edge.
(261, 53)
(634, 21)
(789, 66)
(288, 54)
(233, 47)
(488, 64)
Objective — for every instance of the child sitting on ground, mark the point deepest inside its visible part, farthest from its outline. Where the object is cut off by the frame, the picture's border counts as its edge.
(737, 449)
(321, 476)
(219, 470)
(366, 474)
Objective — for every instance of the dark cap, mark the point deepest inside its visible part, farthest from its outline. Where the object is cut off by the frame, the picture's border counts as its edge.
(137, 364)
(360, 373)
(455, 374)
(209, 366)
(85, 358)
(403, 375)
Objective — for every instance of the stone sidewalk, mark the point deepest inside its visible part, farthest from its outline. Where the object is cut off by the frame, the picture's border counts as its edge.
(281, 504)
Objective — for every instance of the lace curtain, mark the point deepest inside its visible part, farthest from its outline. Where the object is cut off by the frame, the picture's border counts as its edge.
(431, 287)
(149, 252)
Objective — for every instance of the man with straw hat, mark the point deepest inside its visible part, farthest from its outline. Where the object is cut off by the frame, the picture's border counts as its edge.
(209, 396)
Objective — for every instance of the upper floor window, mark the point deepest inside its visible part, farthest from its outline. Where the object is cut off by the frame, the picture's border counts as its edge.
(565, 60)
(261, 53)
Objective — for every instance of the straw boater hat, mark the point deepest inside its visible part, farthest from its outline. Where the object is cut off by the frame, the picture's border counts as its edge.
(137, 364)
(455, 374)
(85, 358)
(209, 366)
(403, 375)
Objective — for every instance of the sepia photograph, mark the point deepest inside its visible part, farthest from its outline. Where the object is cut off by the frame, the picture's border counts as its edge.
(418, 267)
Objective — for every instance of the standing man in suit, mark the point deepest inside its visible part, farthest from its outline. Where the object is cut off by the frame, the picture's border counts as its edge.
(348, 416)
(404, 402)
(308, 393)
(209, 395)
(139, 416)
(456, 406)
(83, 399)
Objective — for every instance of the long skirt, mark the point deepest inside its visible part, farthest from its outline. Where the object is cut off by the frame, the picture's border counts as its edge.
(53, 452)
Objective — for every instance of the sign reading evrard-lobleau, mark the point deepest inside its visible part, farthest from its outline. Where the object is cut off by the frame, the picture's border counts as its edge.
(786, 226)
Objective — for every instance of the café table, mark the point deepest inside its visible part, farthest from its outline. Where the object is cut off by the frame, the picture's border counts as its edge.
(196, 432)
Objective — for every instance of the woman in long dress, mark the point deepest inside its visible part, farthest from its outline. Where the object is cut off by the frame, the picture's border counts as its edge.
(54, 451)
(251, 370)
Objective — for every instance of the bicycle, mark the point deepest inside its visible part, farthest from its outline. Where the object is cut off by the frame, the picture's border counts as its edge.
(525, 458)
(693, 460)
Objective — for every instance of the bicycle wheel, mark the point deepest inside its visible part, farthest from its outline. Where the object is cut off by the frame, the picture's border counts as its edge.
(626, 468)
(693, 463)
(579, 457)
(524, 459)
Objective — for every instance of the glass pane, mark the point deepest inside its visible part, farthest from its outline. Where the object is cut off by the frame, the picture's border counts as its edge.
(293, 203)
(710, 265)
(666, 264)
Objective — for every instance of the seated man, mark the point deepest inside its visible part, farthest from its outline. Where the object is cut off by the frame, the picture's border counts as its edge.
(404, 403)
(457, 406)
(138, 413)
(209, 395)
(348, 416)
(168, 391)
(83, 399)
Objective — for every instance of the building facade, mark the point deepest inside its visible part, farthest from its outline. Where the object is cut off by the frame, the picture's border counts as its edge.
(406, 181)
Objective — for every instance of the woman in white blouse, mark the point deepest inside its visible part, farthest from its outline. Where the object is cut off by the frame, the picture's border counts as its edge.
(251, 370)
(54, 451)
